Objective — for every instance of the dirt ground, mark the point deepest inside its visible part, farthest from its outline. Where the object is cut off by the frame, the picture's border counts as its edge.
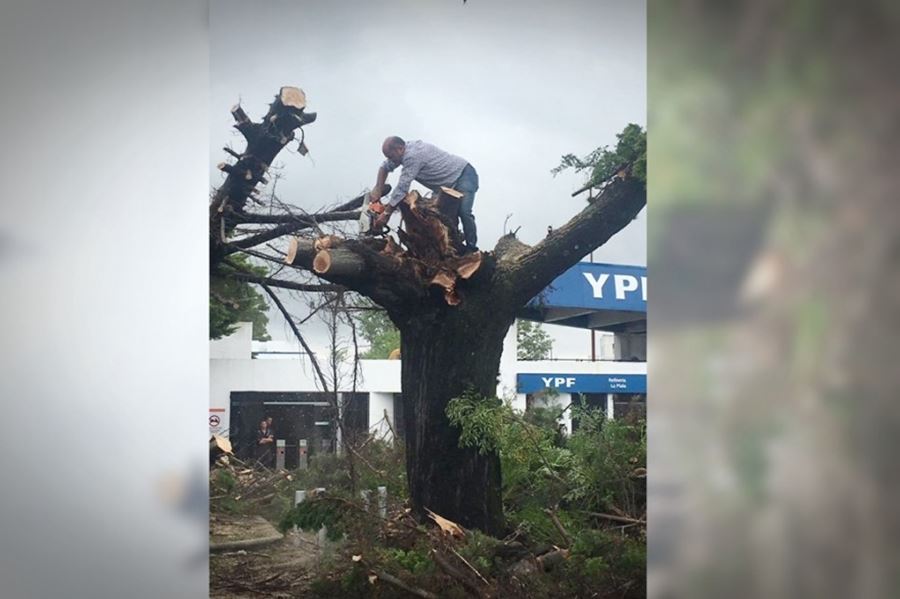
(281, 569)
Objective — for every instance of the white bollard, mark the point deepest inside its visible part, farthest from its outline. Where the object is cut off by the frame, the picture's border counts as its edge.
(280, 447)
(382, 502)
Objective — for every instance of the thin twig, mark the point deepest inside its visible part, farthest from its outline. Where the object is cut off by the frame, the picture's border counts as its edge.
(450, 570)
(391, 428)
(391, 579)
(555, 519)
(290, 321)
(616, 518)
(471, 567)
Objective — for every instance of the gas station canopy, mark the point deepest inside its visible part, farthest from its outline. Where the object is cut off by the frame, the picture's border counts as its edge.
(603, 297)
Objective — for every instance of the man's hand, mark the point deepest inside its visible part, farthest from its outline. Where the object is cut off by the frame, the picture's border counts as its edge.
(374, 196)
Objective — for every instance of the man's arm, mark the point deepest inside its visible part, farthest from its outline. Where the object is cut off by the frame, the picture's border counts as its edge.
(406, 178)
(375, 194)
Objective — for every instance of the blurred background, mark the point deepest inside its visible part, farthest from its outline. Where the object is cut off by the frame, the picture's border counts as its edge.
(773, 251)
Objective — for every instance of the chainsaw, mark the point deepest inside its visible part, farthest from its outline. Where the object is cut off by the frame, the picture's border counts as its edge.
(367, 217)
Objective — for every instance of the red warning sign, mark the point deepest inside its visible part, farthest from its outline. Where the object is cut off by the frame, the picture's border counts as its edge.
(214, 420)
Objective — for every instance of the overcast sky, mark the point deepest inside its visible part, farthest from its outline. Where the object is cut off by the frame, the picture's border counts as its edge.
(508, 85)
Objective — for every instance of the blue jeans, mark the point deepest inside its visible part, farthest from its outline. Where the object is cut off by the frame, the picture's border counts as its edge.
(467, 184)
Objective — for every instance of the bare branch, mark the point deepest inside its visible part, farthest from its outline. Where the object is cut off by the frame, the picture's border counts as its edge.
(306, 348)
(299, 219)
(248, 278)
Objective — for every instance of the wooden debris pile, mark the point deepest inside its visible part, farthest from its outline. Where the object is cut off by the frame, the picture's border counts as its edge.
(245, 483)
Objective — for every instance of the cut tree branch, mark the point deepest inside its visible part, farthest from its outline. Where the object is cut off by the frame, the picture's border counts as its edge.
(360, 266)
(264, 141)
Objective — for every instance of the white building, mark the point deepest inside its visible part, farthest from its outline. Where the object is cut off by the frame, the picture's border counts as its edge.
(248, 380)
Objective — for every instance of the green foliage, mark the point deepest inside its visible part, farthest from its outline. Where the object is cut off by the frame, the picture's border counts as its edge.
(351, 584)
(331, 471)
(231, 301)
(592, 470)
(478, 546)
(534, 465)
(533, 341)
(416, 560)
(631, 149)
(379, 332)
(313, 514)
(222, 481)
(603, 559)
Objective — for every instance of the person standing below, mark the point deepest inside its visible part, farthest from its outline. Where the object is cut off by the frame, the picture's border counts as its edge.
(434, 168)
(265, 442)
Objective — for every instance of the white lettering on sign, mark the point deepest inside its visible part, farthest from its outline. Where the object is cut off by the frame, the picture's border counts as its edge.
(558, 381)
(623, 284)
(596, 284)
(617, 383)
(644, 288)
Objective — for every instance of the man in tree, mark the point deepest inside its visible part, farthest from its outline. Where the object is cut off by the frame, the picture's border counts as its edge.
(434, 168)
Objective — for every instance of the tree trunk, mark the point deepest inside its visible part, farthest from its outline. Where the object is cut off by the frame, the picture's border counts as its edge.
(445, 353)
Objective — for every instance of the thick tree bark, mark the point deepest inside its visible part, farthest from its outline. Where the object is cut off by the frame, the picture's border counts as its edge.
(447, 351)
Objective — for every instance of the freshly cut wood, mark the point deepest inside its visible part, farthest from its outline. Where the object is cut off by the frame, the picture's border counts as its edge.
(444, 279)
(293, 97)
(239, 115)
(448, 526)
(426, 237)
(467, 265)
(344, 262)
(293, 246)
(220, 443)
(322, 262)
(219, 449)
(327, 242)
(452, 298)
(452, 192)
